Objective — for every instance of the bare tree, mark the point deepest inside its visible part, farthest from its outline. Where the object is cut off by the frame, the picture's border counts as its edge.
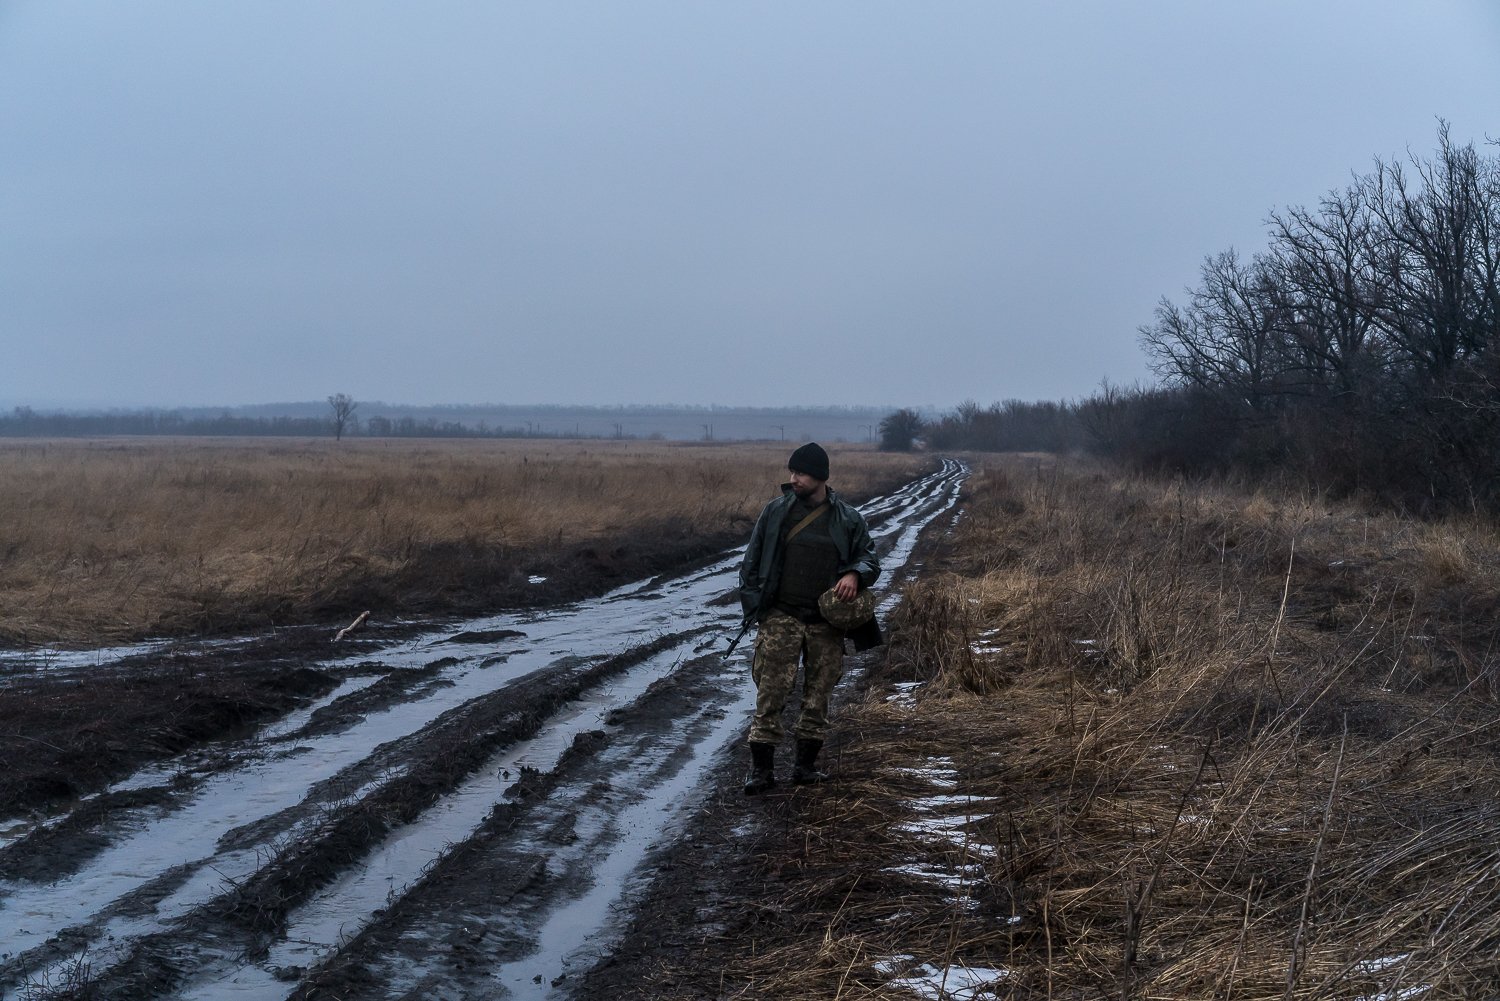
(1361, 347)
(1438, 255)
(1326, 275)
(1229, 338)
(343, 407)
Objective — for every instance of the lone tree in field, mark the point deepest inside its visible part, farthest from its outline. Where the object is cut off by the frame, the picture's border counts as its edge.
(899, 431)
(343, 412)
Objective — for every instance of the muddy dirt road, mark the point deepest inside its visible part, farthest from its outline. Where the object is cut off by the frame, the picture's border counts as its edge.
(463, 816)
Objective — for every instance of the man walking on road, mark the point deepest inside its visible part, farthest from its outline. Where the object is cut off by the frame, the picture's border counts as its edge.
(803, 581)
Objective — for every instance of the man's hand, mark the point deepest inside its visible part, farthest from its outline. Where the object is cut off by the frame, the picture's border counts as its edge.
(847, 587)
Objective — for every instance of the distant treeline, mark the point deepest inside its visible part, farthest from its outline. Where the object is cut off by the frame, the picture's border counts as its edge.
(381, 420)
(1358, 352)
(24, 422)
(515, 413)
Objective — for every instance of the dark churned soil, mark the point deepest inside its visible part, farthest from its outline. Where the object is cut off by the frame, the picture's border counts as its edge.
(651, 721)
(725, 888)
(66, 734)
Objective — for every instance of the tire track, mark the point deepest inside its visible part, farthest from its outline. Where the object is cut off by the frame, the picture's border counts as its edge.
(324, 824)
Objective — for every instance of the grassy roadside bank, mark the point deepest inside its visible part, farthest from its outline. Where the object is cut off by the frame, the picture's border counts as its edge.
(120, 539)
(1147, 740)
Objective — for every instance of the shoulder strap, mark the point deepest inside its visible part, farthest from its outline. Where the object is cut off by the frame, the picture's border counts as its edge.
(817, 513)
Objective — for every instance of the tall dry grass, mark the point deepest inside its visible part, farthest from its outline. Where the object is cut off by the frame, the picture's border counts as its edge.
(116, 539)
(1222, 744)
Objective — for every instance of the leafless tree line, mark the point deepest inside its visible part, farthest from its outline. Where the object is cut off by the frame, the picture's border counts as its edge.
(1397, 277)
(1008, 426)
(1360, 351)
(1360, 346)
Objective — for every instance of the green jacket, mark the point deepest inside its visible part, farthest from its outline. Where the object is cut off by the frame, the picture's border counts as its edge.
(760, 573)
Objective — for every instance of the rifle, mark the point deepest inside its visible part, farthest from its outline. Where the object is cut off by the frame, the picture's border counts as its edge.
(749, 621)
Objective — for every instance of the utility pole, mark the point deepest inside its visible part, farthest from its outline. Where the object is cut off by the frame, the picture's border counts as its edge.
(708, 432)
(782, 429)
(869, 430)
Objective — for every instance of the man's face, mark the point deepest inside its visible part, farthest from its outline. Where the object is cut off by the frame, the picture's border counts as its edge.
(804, 485)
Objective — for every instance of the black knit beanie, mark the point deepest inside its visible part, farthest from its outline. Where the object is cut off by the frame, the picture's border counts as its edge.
(810, 459)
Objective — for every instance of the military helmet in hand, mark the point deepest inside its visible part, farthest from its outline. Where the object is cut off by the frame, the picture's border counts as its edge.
(847, 614)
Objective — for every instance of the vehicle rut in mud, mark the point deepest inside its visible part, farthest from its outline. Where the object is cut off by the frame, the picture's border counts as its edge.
(462, 816)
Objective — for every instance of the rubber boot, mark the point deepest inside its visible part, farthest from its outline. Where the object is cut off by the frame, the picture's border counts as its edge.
(762, 775)
(805, 771)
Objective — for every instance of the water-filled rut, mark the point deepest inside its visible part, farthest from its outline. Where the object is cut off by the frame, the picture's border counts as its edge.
(461, 817)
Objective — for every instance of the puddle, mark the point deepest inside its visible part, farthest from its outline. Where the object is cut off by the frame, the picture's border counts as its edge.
(904, 694)
(929, 803)
(576, 935)
(953, 878)
(936, 828)
(934, 778)
(960, 983)
(340, 910)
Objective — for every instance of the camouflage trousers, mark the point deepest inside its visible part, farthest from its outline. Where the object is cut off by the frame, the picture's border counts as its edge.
(780, 644)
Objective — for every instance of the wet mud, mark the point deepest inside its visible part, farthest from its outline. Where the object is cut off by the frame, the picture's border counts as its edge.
(472, 809)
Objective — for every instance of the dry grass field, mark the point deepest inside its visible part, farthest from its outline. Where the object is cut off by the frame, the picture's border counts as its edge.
(117, 539)
(1155, 741)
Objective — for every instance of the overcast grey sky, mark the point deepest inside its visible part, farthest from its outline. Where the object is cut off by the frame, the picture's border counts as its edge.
(642, 202)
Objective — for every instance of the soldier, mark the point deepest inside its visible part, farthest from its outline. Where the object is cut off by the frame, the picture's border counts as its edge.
(809, 561)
